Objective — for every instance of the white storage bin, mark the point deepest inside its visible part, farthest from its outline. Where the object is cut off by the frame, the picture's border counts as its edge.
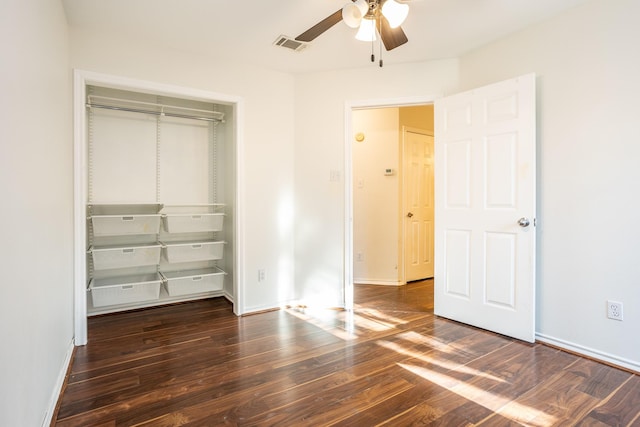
(123, 256)
(191, 223)
(115, 225)
(125, 290)
(193, 251)
(193, 281)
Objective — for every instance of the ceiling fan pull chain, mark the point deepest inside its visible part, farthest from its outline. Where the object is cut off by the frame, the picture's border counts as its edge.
(373, 58)
(380, 41)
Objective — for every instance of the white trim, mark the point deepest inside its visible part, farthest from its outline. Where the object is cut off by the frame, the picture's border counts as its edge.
(57, 388)
(263, 308)
(349, 106)
(378, 282)
(228, 297)
(347, 283)
(83, 78)
(239, 306)
(589, 352)
(392, 102)
(79, 212)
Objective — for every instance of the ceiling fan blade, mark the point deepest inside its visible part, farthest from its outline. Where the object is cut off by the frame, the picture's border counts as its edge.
(320, 27)
(391, 37)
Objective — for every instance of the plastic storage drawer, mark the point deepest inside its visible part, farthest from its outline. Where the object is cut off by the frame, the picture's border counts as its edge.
(115, 225)
(125, 290)
(191, 223)
(123, 256)
(193, 251)
(194, 281)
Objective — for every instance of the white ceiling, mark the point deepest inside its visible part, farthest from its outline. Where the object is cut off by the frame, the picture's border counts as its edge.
(245, 30)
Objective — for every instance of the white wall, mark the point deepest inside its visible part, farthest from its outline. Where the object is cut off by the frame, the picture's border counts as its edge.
(320, 100)
(376, 197)
(36, 184)
(268, 143)
(587, 62)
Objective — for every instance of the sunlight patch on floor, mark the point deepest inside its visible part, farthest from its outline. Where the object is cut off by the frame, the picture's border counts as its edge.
(445, 364)
(346, 324)
(381, 315)
(501, 405)
(417, 338)
(325, 320)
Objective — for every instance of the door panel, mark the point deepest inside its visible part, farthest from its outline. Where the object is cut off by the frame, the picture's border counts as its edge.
(500, 277)
(500, 160)
(484, 260)
(418, 204)
(457, 261)
(457, 174)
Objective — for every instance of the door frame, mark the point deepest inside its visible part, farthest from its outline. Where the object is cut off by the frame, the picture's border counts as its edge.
(349, 107)
(81, 79)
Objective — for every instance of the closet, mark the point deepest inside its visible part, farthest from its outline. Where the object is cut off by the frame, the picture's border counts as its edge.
(158, 229)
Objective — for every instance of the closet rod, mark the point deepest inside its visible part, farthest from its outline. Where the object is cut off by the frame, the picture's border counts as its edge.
(90, 99)
(155, 113)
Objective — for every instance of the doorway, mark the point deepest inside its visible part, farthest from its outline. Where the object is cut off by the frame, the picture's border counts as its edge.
(390, 246)
(418, 203)
(485, 274)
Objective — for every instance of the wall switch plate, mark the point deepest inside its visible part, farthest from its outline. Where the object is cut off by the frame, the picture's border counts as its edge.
(614, 310)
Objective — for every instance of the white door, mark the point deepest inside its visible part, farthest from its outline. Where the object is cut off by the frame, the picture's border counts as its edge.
(485, 207)
(418, 204)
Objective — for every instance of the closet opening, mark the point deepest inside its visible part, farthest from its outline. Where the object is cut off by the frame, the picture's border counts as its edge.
(157, 199)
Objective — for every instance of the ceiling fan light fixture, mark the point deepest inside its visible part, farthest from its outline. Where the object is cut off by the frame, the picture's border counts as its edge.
(363, 5)
(367, 30)
(395, 12)
(353, 12)
(352, 15)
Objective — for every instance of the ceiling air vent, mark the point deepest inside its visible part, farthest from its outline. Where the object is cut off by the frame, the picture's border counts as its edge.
(289, 43)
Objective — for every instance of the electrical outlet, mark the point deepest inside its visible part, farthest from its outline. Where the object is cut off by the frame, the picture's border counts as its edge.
(359, 257)
(261, 275)
(614, 310)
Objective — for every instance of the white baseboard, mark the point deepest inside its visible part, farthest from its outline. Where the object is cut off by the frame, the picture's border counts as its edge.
(589, 352)
(57, 389)
(377, 282)
(229, 297)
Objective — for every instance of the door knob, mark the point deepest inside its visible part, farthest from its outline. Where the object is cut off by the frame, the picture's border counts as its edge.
(523, 222)
(409, 215)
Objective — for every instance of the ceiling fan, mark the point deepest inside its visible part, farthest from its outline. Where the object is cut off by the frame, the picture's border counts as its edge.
(370, 17)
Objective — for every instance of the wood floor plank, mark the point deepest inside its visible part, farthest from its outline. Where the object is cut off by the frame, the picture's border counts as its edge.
(335, 404)
(389, 362)
(544, 406)
(599, 380)
(176, 380)
(622, 408)
(308, 379)
(394, 407)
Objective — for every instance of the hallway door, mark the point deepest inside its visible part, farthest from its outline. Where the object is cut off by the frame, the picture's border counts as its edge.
(418, 209)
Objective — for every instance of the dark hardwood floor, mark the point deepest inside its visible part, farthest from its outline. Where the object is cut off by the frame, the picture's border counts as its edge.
(391, 362)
